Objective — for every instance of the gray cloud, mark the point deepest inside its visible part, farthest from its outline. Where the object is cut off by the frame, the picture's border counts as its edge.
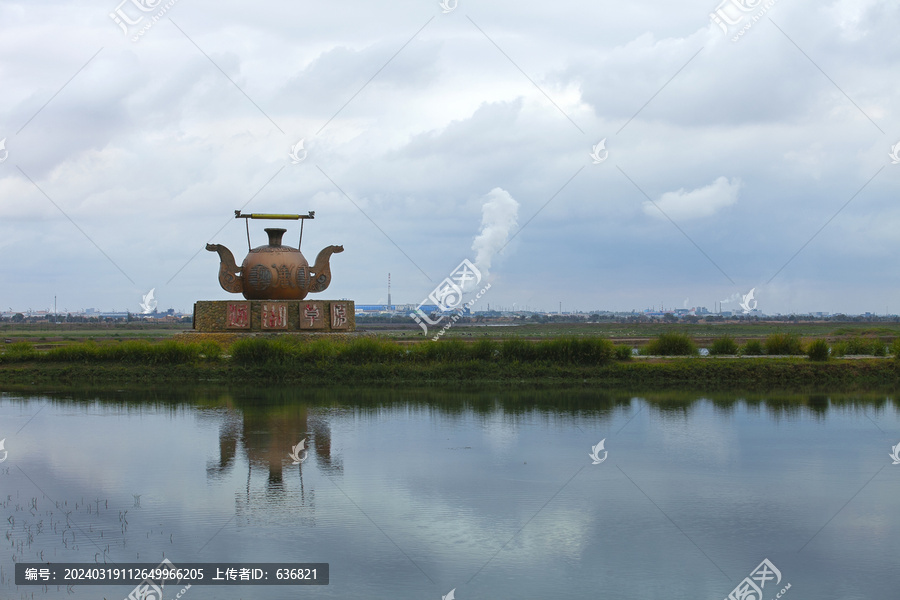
(150, 148)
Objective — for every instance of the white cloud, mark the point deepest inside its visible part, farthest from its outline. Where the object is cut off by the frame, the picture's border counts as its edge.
(682, 205)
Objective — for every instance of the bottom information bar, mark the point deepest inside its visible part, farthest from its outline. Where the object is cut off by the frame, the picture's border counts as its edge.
(167, 573)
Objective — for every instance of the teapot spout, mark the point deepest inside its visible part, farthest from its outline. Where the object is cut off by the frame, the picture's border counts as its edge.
(229, 273)
(321, 271)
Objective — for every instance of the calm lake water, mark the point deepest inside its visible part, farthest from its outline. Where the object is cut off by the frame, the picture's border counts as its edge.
(409, 494)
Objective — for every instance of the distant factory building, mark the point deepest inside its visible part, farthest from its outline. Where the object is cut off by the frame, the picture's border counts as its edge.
(366, 308)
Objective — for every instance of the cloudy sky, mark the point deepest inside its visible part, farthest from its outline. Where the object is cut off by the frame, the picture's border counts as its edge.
(622, 155)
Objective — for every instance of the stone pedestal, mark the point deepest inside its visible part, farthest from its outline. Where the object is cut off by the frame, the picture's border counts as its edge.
(274, 316)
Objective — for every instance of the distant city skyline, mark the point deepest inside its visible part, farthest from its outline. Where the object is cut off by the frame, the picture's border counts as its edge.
(403, 310)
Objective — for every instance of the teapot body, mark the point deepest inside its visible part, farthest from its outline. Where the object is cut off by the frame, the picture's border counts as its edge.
(275, 271)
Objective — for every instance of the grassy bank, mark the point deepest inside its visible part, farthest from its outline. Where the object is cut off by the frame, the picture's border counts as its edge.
(593, 362)
(747, 374)
(48, 335)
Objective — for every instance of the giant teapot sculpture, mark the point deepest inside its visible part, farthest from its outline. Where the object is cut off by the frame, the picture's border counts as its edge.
(274, 271)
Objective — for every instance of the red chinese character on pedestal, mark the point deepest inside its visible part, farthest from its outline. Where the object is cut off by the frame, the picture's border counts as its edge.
(311, 313)
(238, 315)
(339, 316)
(274, 315)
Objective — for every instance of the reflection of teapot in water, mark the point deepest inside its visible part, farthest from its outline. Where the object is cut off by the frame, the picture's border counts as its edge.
(274, 271)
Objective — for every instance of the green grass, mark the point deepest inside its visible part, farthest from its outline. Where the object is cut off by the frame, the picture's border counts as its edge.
(368, 351)
(818, 350)
(260, 351)
(671, 344)
(723, 346)
(783, 344)
(743, 330)
(624, 353)
(295, 350)
(82, 331)
(866, 329)
(855, 346)
(211, 350)
(752, 348)
(301, 360)
(18, 352)
(129, 352)
(763, 374)
(404, 329)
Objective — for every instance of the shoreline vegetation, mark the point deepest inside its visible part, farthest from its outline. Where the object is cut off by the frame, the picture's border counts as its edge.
(454, 400)
(671, 360)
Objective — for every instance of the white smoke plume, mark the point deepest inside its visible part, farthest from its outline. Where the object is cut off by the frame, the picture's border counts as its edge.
(498, 217)
(733, 298)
